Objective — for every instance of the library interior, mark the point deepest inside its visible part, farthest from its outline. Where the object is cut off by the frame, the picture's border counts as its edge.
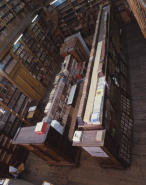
(72, 98)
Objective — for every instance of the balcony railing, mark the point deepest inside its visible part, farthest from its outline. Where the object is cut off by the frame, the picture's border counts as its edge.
(139, 10)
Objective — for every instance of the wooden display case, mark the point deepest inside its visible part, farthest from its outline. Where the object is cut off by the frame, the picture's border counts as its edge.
(105, 152)
(75, 46)
(105, 102)
(53, 147)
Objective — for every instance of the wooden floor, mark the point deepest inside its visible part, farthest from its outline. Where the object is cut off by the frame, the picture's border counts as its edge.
(89, 172)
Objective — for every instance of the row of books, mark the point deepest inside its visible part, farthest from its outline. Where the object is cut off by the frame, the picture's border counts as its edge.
(5, 60)
(13, 3)
(96, 117)
(61, 99)
(44, 25)
(4, 11)
(9, 94)
(19, 103)
(17, 8)
(45, 42)
(49, 27)
(8, 17)
(13, 97)
(4, 89)
(1, 3)
(56, 106)
(8, 63)
(9, 123)
(4, 116)
(9, 68)
(4, 34)
(1, 25)
(42, 38)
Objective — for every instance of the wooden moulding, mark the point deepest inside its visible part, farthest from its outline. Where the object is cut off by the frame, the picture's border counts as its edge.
(88, 73)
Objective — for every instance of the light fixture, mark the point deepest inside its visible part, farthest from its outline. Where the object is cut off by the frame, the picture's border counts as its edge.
(34, 18)
(53, 2)
(18, 39)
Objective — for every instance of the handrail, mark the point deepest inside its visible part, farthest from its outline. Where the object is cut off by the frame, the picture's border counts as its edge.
(143, 3)
(138, 8)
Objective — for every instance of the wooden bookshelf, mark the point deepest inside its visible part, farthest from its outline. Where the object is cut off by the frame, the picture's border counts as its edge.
(53, 23)
(12, 13)
(14, 70)
(31, 62)
(10, 121)
(13, 109)
(74, 16)
(10, 154)
(47, 31)
(12, 99)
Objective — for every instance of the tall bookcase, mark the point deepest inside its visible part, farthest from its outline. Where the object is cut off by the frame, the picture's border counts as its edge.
(12, 12)
(14, 105)
(74, 16)
(10, 154)
(31, 62)
(51, 18)
(25, 70)
(13, 110)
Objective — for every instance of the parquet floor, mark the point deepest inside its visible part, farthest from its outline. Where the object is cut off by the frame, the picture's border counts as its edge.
(89, 173)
